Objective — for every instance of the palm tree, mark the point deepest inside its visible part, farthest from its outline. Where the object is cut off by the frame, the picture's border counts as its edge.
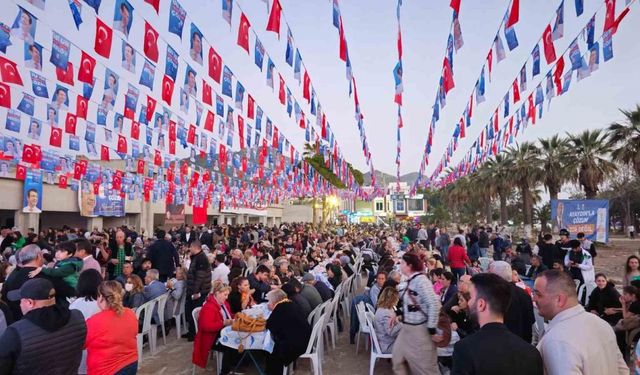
(497, 168)
(555, 159)
(525, 172)
(590, 150)
(625, 140)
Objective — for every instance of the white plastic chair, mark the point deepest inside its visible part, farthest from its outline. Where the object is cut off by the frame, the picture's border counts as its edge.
(363, 329)
(376, 352)
(484, 263)
(332, 316)
(195, 314)
(179, 315)
(147, 328)
(162, 303)
(314, 349)
(315, 314)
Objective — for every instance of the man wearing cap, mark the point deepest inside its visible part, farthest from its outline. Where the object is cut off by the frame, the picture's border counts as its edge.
(322, 288)
(25, 346)
(563, 243)
(309, 292)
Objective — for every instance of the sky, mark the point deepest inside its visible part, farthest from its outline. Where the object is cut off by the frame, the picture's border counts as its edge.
(370, 28)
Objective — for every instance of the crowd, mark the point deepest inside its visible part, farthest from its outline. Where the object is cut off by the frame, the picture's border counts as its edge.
(469, 302)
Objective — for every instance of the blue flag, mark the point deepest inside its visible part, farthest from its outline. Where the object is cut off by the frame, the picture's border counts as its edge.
(579, 7)
(336, 14)
(239, 95)
(87, 88)
(535, 56)
(177, 15)
(510, 36)
(480, 88)
(289, 52)
(39, 85)
(227, 10)
(539, 95)
(436, 112)
(171, 63)
(558, 26)
(75, 12)
(259, 53)
(26, 104)
(567, 81)
(5, 37)
(219, 105)
(607, 45)
(270, 67)
(289, 104)
(506, 105)
(95, 4)
(226, 81)
(147, 75)
(591, 30)
(259, 114)
(60, 49)
(313, 102)
(296, 67)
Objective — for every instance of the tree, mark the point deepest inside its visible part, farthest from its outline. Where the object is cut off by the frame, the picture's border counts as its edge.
(497, 170)
(624, 138)
(523, 160)
(590, 151)
(543, 215)
(556, 163)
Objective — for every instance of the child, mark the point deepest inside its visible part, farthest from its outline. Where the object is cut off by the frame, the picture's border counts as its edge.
(67, 266)
(474, 269)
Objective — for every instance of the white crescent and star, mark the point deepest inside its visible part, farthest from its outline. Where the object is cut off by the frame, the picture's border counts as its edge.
(102, 31)
(10, 69)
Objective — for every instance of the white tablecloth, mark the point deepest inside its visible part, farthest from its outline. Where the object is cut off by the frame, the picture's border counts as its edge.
(257, 340)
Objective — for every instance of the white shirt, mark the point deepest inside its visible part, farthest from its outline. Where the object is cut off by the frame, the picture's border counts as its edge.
(221, 273)
(578, 342)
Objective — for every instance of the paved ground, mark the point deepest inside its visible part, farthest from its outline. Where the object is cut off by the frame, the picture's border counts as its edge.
(175, 357)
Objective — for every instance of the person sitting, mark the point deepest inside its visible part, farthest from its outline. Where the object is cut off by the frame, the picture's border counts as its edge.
(449, 289)
(237, 267)
(87, 292)
(241, 296)
(536, 268)
(177, 289)
(134, 292)
(294, 295)
(258, 282)
(289, 329)
(376, 288)
(221, 270)
(127, 270)
(67, 266)
(334, 274)
(325, 292)
(311, 294)
(387, 324)
(604, 301)
(283, 272)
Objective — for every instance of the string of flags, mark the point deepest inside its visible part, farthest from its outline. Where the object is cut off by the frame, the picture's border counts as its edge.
(495, 138)
(397, 76)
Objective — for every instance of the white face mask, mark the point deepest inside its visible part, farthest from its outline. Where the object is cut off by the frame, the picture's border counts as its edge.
(128, 287)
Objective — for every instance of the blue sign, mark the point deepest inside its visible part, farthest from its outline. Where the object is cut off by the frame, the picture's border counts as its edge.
(590, 217)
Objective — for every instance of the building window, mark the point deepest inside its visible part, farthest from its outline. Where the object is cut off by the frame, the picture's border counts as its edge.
(400, 205)
(415, 204)
(379, 206)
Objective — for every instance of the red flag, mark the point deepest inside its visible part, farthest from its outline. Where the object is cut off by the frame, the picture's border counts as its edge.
(85, 72)
(135, 130)
(82, 105)
(274, 18)
(55, 139)
(250, 107)
(281, 94)
(129, 113)
(151, 107)
(172, 130)
(343, 43)
(29, 154)
(5, 95)
(532, 110)
(455, 5)
(172, 147)
(619, 19)
(104, 35)
(154, 3)
(208, 122)
(496, 127)
(462, 128)
(70, 123)
(9, 71)
(206, 93)
(306, 82)
(243, 32)
(167, 89)
(116, 180)
(557, 75)
(274, 142)
(150, 42)
(122, 144)
(96, 187)
(610, 15)
(105, 154)
(549, 49)
(65, 76)
(21, 172)
(514, 16)
(241, 131)
(191, 134)
(140, 166)
(302, 123)
(490, 61)
(447, 75)
(215, 65)
(62, 182)
(323, 132)
(199, 215)
(516, 91)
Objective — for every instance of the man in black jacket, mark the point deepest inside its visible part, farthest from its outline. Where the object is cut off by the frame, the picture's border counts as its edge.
(258, 281)
(519, 316)
(25, 346)
(484, 351)
(549, 251)
(198, 284)
(164, 256)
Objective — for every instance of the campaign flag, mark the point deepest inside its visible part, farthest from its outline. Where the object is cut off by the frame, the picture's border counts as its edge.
(458, 42)
(95, 4)
(296, 66)
(147, 75)
(82, 107)
(480, 88)
(590, 217)
(523, 78)
(239, 95)
(288, 56)
(274, 18)
(131, 101)
(150, 42)
(259, 53)
(259, 114)
(499, 47)
(26, 105)
(104, 35)
(219, 105)
(226, 82)
(549, 50)
(65, 75)
(177, 15)
(289, 104)
(167, 89)
(397, 76)
(558, 26)
(535, 56)
(607, 45)
(510, 37)
(60, 49)
(5, 37)
(215, 65)
(270, 67)
(506, 105)
(9, 71)
(5, 95)
(171, 63)
(13, 122)
(575, 55)
(243, 31)
(567, 81)
(579, 7)
(227, 10)
(75, 12)
(594, 57)
(591, 30)
(514, 14)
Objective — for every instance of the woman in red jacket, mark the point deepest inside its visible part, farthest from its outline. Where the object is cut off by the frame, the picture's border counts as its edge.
(458, 259)
(214, 316)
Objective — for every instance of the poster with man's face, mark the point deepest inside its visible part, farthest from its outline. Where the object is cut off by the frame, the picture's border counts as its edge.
(32, 193)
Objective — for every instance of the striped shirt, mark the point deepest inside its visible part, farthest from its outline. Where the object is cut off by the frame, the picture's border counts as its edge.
(420, 303)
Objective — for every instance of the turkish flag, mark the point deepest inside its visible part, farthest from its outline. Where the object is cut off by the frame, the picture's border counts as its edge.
(104, 35)
(610, 15)
(243, 32)
(105, 153)
(208, 122)
(206, 93)
(343, 43)
(70, 123)
(281, 94)
(532, 110)
(549, 49)
(96, 187)
(516, 91)
(462, 130)
(151, 107)
(157, 158)
(447, 76)
(172, 147)
(172, 130)
(191, 134)
(116, 181)
(21, 172)
(250, 107)
(83, 165)
(241, 131)
(167, 89)
(557, 75)
(154, 3)
(514, 15)
(9, 71)
(199, 216)
(82, 105)
(122, 144)
(135, 130)
(5, 95)
(455, 5)
(55, 139)
(140, 166)
(215, 65)
(305, 86)
(302, 121)
(274, 18)
(150, 42)
(65, 76)
(129, 113)
(85, 72)
(29, 154)
(274, 143)
(62, 182)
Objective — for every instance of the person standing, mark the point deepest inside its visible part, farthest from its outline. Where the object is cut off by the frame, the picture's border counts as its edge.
(164, 256)
(443, 242)
(198, 284)
(121, 252)
(483, 242)
(458, 259)
(575, 342)
(519, 316)
(84, 251)
(484, 351)
(579, 263)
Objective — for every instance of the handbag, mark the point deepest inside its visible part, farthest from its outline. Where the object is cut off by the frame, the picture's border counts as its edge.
(245, 323)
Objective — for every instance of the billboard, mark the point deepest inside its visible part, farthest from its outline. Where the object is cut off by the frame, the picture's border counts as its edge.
(174, 214)
(588, 216)
(106, 202)
(32, 197)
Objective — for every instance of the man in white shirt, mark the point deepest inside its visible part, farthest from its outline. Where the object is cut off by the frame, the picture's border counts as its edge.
(221, 272)
(576, 341)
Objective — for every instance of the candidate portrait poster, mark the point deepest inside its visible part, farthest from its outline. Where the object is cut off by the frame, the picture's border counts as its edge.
(590, 217)
(32, 197)
(105, 203)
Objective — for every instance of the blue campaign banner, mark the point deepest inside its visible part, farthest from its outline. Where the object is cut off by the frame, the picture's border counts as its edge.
(590, 217)
(32, 197)
(106, 203)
